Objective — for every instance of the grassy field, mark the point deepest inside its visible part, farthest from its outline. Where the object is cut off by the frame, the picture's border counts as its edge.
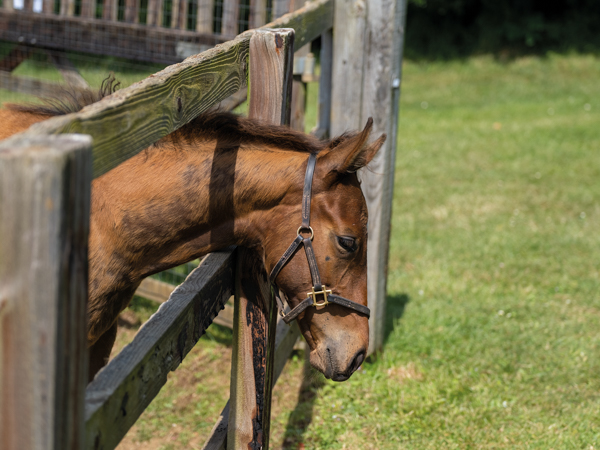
(493, 333)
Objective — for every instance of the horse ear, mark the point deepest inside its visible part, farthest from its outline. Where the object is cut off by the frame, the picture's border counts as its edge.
(351, 153)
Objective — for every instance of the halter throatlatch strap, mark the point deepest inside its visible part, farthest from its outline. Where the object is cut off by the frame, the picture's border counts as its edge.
(325, 295)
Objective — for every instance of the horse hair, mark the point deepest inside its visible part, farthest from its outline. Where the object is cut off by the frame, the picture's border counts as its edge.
(226, 127)
(68, 99)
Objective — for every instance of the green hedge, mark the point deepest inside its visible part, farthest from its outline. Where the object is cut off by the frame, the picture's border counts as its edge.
(455, 28)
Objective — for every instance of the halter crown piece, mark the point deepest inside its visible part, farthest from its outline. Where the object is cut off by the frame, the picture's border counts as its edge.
(325, 296)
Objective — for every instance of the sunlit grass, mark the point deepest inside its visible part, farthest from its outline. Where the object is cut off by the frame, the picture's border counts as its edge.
(494, 263)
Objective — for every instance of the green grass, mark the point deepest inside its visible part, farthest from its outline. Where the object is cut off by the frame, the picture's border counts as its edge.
(493, 333)
(494, 310)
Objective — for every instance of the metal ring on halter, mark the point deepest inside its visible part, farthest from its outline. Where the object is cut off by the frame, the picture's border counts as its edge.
(312, 233)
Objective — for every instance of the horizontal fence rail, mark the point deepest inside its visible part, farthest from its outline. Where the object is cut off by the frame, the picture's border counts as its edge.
(119, 125)
(125, 387)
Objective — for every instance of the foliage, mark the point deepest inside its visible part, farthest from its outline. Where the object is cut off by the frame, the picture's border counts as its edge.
(451, 28)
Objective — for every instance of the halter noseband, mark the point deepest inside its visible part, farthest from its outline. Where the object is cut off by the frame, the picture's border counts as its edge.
(318, 288)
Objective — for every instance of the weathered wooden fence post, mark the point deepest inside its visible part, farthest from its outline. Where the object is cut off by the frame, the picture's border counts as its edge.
(255, 314)
(367, 55)
(44, 224)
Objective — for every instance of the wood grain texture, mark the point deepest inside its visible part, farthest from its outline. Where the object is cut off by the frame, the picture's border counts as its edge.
(126, 386)
(381, 96)
(44, 226)
(154, 16)
(204, 16)
(258, 13)
(88, 9)
(285, 338)
(271, 63)
(254, 325)
(308, 22)
(133, 118)
(348, 65)
(231, 14)
(368, 43)
(101, 37)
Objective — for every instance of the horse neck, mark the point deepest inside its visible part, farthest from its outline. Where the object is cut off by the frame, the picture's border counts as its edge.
(173, 204)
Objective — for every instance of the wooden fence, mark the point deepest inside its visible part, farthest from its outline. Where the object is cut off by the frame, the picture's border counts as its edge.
(45, 177)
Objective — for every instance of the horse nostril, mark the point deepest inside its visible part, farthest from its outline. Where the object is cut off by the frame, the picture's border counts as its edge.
(358, 360)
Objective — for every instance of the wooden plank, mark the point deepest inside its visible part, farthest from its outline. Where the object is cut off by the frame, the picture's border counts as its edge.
(7, 5)
(271, 66)
(324, 108)
(298, 105)
(373, 91)
(204, 16)
(110, 10)
(120, 124)
(44, 225)
(159, 291)
(27, 5)
(88, 9)
(101, 37)
(48, 6)
(308, 22)
(258, 13)
(126, 386)
(381, 97)
(280, 7)
(179, 10)
(154, 16)
(67, 7)
(255, 313)
(254, 326)
(231, 14)
(285, 338)
(132, 11)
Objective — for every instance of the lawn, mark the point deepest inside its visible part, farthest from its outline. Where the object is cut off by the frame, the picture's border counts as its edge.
(493, 333)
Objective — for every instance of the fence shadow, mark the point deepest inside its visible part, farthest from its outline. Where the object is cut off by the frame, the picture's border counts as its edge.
(394, 310)
(301, 417)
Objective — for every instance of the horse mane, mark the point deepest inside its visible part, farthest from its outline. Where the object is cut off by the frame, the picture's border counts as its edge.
(230, 130)
(67, 100)
(227, 128)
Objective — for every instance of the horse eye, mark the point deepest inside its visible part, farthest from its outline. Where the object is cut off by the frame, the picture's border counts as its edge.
(347, 243)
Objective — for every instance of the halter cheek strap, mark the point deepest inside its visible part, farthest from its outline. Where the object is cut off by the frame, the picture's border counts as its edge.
(325, 296)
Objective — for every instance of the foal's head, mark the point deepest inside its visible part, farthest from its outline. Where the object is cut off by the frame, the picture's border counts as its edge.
(338, 336)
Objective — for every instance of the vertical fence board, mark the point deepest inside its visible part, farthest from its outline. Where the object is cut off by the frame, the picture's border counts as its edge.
(47, 6)
(154, 16)
(255, 314)
(280, 7)
(258, 13)
(88, 9)
(371, 50)
(44, 224)
(204, 16)
(270, 75)
(132, 12)
(231, 14)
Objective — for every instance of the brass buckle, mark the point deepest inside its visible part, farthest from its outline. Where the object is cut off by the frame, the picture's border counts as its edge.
(312, 233)
(314, 294)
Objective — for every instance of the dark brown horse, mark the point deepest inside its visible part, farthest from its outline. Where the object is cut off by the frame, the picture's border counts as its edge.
(224, 180)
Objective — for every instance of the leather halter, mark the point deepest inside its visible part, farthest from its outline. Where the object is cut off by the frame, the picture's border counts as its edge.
(318, 289)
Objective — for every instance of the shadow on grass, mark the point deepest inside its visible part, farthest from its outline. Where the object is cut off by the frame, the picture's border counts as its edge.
(301, 417)
(394, 310)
